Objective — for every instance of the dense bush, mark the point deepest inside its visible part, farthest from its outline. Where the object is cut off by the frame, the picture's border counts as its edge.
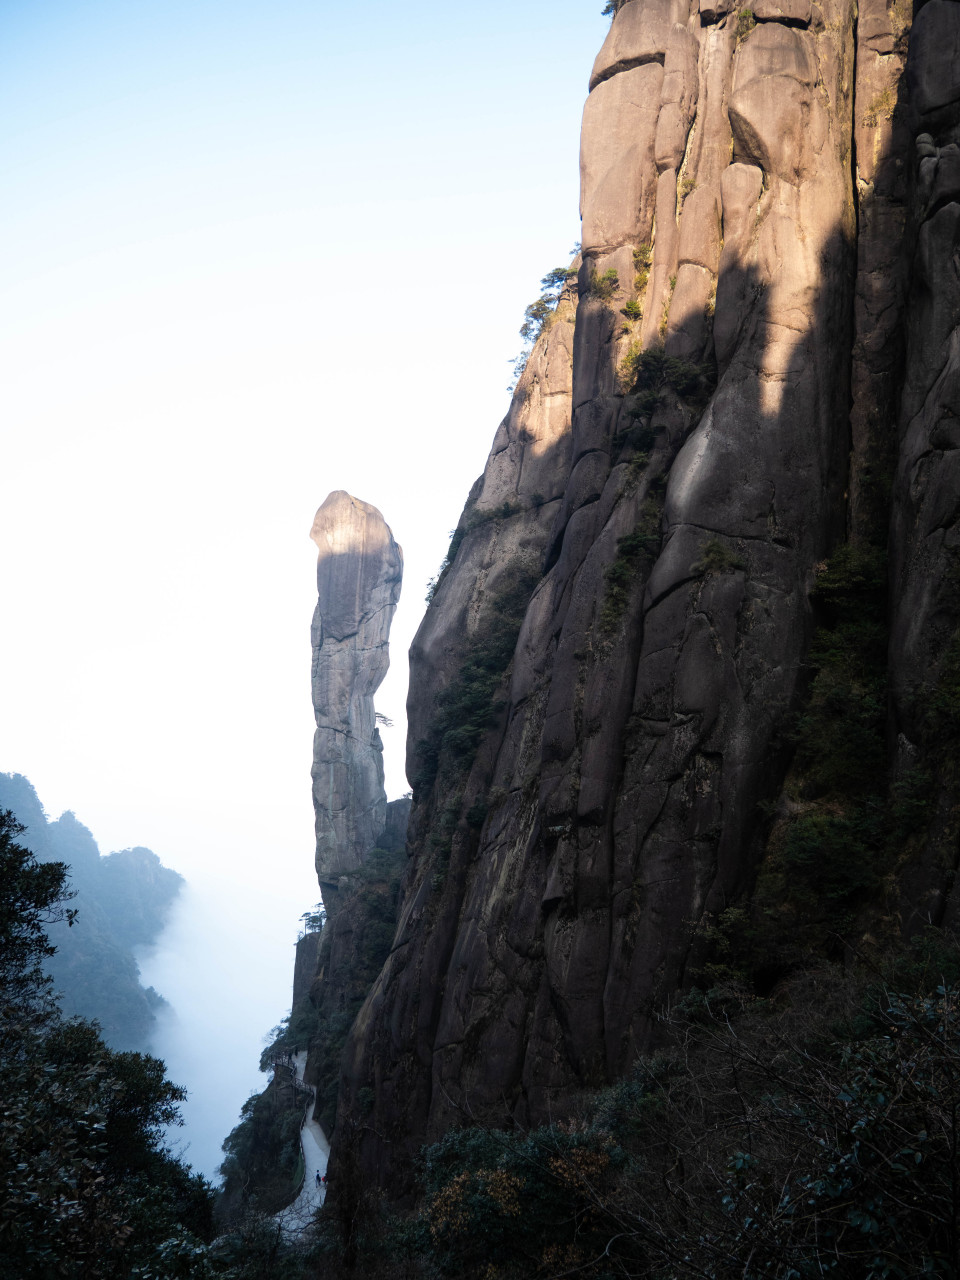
(646, 374)
(261, 1160)
(642, 258)
(790, 1139)
(746, 21)
(761, 1145)
(716, 557)
(604, 284)
(88, 1187)
(123, 900)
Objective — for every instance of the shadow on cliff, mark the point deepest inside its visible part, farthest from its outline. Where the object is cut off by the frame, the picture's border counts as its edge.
(565, 883)
(498, 1005)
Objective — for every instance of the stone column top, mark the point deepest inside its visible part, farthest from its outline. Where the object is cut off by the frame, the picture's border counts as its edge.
(359, 566)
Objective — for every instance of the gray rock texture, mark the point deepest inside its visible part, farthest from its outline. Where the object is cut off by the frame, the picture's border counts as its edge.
(360, 837)
(359, 572)
(925, 533)
(603, 687)
(305, 966)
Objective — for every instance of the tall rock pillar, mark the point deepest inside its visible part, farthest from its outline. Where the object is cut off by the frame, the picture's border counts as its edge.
(359, 572)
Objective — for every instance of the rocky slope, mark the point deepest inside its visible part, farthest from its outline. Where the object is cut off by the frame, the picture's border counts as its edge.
(646, 695)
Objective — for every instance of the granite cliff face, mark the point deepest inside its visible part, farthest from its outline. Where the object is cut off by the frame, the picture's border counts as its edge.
(746, 405)
(359, 572)
(925, 535)
(360, 837)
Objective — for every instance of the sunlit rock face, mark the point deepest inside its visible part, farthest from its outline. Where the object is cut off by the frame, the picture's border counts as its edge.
(359, 573)
(603, 688)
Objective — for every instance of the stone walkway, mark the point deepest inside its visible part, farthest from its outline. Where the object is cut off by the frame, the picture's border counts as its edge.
(297, 1218)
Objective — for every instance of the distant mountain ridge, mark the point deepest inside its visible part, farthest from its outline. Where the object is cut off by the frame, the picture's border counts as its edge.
(123, 901)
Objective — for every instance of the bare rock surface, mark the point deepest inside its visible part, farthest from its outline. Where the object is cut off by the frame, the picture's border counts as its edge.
(934, 71)
(359, 573)
(602, 687)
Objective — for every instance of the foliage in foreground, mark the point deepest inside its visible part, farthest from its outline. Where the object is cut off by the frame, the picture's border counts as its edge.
(812, 1136)
(122, 899)
(87, 1187)
(755, 1150)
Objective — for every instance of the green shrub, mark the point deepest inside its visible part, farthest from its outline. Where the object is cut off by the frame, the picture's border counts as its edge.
(477, 813)
(642, 258)
(635, 551)
(637, 434)
(261, 1154)
(632, 310)
(769, 1140)
(604, 286)
(716, 557)
(529, 1198)
(538, 314)
(645, 375)
(834, 861)
(89, 1185)
(746, 21)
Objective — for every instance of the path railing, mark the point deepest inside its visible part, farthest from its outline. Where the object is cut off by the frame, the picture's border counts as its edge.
(302, 1162)
(287, 1064)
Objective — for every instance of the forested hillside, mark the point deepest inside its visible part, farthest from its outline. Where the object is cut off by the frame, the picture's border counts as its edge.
(121, 901)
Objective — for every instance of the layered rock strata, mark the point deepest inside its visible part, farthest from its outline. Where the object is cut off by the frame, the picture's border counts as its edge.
(604, 683)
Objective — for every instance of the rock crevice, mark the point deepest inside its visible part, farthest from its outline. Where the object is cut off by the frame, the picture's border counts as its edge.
(602, 690)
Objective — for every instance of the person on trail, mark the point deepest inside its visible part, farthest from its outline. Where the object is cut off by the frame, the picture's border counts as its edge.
(319, 1183)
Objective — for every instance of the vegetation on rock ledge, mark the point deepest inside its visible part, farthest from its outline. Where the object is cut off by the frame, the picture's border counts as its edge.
(810, 1134)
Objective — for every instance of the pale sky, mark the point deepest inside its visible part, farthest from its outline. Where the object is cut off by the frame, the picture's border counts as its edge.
(249, 253)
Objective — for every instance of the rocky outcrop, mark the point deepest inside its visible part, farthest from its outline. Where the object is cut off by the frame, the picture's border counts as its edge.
(305, 966)
(349, 953)
(605, 687)
(360, 837)
(359, 572)
(359, 852)
(925, 534)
